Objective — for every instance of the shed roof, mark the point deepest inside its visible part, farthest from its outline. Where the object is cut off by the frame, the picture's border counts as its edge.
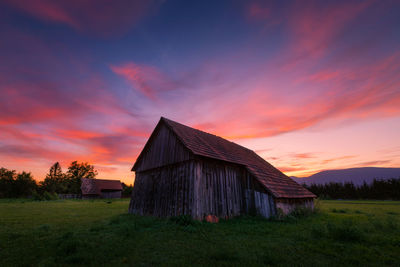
(211, 146)
(95, 186)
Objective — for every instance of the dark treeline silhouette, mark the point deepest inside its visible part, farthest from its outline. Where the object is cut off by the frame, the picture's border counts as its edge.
(378, 189)
(14, 185)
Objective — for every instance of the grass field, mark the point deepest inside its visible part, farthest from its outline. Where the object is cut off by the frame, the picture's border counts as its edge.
(79, 232)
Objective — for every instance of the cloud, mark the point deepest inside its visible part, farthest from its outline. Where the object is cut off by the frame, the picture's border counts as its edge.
(326, 161)
(146, 79)
(50, 112)
(290, 169)
(314, 27)
(304, 155)
(351, 93)
(374, 163)
(100, 17)
(258, 11)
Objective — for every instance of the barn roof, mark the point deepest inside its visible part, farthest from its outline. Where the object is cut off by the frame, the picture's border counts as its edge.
(95, 186)
(211, 146)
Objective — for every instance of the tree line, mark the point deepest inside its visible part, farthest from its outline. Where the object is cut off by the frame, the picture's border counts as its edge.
(13, 184)
(378, 189)
(20, 185)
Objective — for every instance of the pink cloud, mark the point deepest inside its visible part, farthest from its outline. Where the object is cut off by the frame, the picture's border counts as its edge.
(338, 159)
(328, 95)
(146, 79)
(315, 28)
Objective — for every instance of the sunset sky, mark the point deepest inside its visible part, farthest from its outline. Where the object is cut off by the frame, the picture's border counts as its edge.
(308, 85)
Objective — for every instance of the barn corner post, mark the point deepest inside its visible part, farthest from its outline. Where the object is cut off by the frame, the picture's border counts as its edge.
(184, 171)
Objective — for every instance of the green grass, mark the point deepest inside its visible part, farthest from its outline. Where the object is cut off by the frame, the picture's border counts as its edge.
(80, 232)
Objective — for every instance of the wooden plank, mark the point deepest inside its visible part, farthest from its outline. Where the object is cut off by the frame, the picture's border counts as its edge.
(198, 188)
(163, 150)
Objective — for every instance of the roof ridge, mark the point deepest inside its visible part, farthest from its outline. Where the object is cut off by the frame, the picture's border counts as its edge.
(226, 140)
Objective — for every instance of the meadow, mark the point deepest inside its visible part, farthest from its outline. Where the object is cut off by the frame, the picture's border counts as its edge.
(100, 232)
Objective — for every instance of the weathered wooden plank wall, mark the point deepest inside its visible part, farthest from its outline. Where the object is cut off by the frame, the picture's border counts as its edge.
(257, 200)
(165, 149)
(218, 189)
(165, 191)
(199, 188)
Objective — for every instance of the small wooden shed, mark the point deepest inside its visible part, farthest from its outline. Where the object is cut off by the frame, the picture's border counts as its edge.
(182, 170)
(100, 188)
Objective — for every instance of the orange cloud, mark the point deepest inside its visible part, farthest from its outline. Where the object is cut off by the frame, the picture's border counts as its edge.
(290, 169)
(304, 155)
(77, 134)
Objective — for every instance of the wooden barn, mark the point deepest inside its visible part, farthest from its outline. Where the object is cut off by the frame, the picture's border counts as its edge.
(99, 188)
(182, 170)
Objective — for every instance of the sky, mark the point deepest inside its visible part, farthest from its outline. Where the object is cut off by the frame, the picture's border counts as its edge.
(308, 85)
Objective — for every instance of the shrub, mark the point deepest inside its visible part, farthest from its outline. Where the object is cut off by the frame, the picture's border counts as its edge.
(301, 211)
(36, 196)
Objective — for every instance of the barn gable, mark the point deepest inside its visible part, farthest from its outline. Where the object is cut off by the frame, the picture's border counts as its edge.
(162, 148)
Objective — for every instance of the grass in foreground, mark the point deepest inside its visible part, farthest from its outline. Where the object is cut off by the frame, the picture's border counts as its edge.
(78, 232)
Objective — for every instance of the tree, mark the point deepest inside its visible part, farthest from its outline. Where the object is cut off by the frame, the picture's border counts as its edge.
(55, 181)
(77, 171)
(24, 185)
(16, 185)
(6, 182)
(378, 189)
(126, 190)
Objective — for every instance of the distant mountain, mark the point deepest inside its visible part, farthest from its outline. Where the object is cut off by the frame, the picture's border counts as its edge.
(355, 175)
